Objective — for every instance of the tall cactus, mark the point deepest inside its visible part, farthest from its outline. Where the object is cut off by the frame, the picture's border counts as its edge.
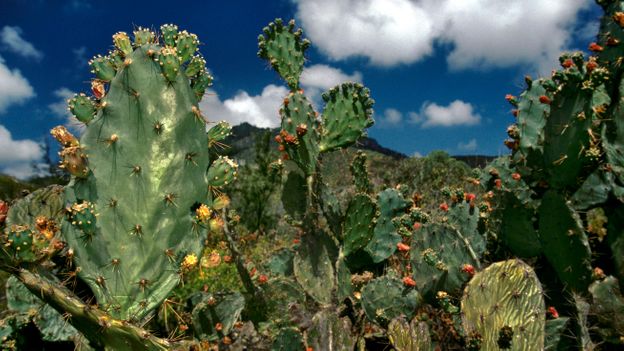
(303, 138)
(140, 198)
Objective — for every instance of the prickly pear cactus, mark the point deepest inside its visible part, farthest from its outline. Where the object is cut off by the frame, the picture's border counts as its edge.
(412, 336)
(51, 323)
(32, 226)
(330, 332)
(386, 298)
(140, 197)
(504, 304)
(348, 106)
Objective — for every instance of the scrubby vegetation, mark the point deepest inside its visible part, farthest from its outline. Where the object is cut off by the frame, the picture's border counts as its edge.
(158, 242)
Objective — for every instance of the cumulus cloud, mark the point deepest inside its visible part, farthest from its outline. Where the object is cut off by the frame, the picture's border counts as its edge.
(14, 88)
(456, 113)
(471, 145)
(59, 107)
(317, 79)
(259, 110)
(481, 33)
(18, 156)
(391, 118)
(11, 38)
(386, 31)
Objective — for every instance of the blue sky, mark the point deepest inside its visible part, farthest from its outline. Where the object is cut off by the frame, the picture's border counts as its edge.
(438, 69)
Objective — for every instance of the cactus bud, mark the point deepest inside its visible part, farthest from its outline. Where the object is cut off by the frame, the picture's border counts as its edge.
(221, 202)
(216, 224)
(122, 42)
(189, 261)
(82, 107)
(74, 161)
(203, 213)
(63, 136)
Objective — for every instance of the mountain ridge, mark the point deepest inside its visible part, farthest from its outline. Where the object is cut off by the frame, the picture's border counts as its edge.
(244, 135)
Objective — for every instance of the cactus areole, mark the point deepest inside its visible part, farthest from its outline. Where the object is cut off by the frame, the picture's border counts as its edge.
(143, 172)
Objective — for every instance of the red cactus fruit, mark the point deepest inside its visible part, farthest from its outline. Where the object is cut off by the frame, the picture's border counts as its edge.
(594, 47)
(262, 279)
(278, 139)
(417, 225)
(553, 312)
(408, 281)
(514, 113)
(498, 183)
(97, 88)
(403, 247)
(218, 327)
(591, 65)
(612, 41)
(468, 269)
(544, 99)
(444, 206)
(516, 176)
(567, 63)
(509, 97)
(291, 139)
(4, 209)
(302, 129)
(598, 274)
(469, 197)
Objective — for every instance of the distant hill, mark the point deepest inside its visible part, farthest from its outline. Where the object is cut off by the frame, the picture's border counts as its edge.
(244, 135)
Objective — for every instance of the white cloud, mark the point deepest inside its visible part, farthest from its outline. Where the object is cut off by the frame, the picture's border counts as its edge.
(259, 110)
(59, 108)
(387, 32)
(11, 38)
(414, 117)
(317, 79)
(326, 77)
(14, 88)
(18, 156)
(391, 117)
(468, 146)
(482, 33)
(589, 31)
(456, 113)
